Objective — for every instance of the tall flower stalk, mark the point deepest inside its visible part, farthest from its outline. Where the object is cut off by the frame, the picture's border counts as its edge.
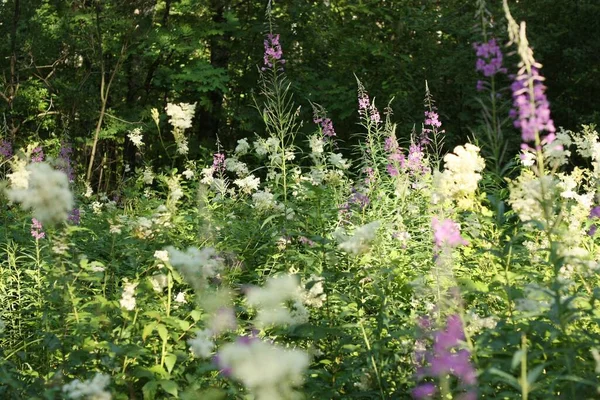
(278, 109)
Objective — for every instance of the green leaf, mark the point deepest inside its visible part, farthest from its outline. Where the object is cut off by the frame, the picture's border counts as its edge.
(149, 390)
(507, 378)
(196, 315)
(169, 387)
(147, 331)
(516, 359)
(170, 362)
(162, 331)
(534, 374)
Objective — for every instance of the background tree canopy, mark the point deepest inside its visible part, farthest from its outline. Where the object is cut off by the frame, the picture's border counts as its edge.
(63, 57)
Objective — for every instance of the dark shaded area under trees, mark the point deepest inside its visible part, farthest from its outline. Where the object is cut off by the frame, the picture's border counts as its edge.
(73, 68)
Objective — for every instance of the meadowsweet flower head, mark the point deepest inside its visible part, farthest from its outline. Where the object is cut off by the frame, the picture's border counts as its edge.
(338, 161)
(360, 241)
(267, 370)
(92, 389)
(461, 175)
(196, 265)
(273, 53)
(46, 193)
(162, 255)
(273, 299)
(247, 185)
(181, 119)
(181, 114)
(234, 165)
(243, 147)
(128, 296)
(136, 137)
(202, 345)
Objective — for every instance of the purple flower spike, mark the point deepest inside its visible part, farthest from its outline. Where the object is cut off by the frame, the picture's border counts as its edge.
(37, 155)
(426, 390)
(273, 52)
(36, 229)
(531, 114)
(6, 149)
(489, 61)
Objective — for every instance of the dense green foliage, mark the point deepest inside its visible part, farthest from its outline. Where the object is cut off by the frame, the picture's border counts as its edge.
(205, 200)
(56, 53)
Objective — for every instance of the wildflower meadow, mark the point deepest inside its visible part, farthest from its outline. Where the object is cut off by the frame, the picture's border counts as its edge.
(302, 260)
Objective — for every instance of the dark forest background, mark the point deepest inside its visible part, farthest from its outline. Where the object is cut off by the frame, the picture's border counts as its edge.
(62, 58)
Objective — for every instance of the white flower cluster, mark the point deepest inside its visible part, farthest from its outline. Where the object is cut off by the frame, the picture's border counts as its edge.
(92, 389)
(263, 201)
(242, 147)
(128, 297)
(273, 301)
(181, 114)
(159, 282)
(315, 296)
(202, 345)
(196, 265)
(268, 371)
(181, 119)
(461, 175)
(557, 153)
(148, 176)
(526, 195)
(338, 161)
(47, 193)
(248, 184)
(19, 178)
(264, 147)
(136, 137)
(175, 191)
(477, 324)
(360, 241)
(234, 165)
(162, 255)
(317, 145)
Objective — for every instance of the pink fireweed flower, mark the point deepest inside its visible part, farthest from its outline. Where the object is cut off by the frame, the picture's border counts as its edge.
(36, 229)
(273, 52)
(531, 109)
(218, 162)
(391, 170)
(433, 119)
(6, 149)
(326, 126)
(75, 216)
(446, 233)
(425, 390)
(489, 58)
(375, 117)
(37, 155)
(65, 164)
(363, 102)
(447, 357)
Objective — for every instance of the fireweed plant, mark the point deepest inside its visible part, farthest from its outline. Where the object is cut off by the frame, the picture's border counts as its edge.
(289, 267)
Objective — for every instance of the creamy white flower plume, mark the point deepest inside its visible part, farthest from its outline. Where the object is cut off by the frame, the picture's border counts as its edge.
(47, 194)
